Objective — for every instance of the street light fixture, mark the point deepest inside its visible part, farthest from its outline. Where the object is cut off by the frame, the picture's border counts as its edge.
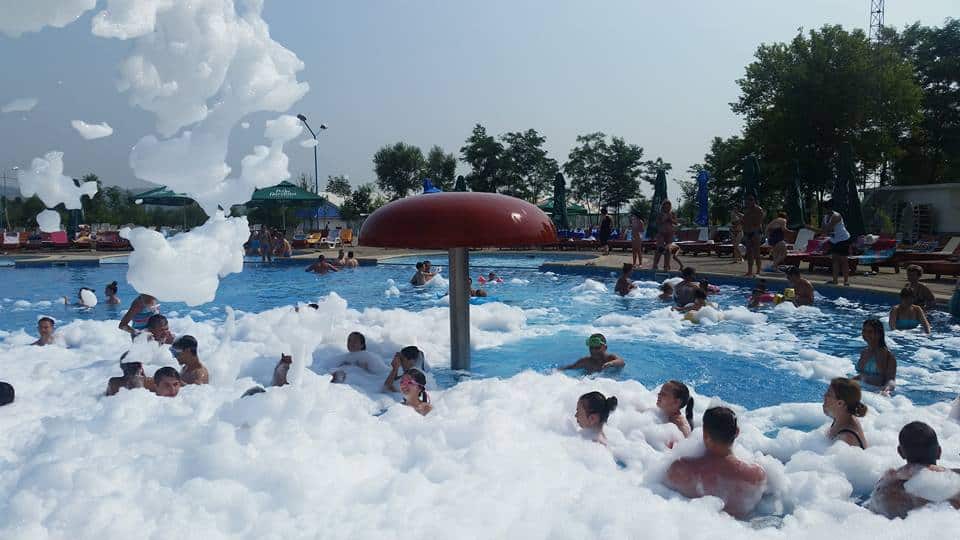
(316, 177)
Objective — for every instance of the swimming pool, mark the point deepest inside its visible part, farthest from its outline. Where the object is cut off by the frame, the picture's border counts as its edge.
(538, 320)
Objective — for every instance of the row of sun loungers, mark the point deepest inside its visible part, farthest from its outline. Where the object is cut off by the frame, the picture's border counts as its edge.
(26, 241)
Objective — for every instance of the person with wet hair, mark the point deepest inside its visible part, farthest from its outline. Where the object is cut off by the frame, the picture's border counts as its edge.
(907, 315)
(418, 277)
(841, 402)
(877, 365)
(920, 448)
(593, 409)
(321, 266)
(167, 382)
(699, 302)
(193, 371)
(111, 293)
(598, 359)
(676, 405)
(46, 328)
(719, 472)
(803, 289)
(408, 358)
(922, 295)
(159, 329)
(350, 261)
(141, 309)
(666, 292)
(7, 393)
(132, 377)
(624, 284)
(683, 291)
(413, 387)
(357, 355)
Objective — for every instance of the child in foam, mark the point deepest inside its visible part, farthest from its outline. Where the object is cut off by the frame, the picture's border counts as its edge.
(877, 365)
(159, 330)
(141, 309)
(666, 293)
(132, 378)
(921, 481)
(906, 315)
(413, 386)
(718, 472)
(46, 328)
(676, 406)
(492, 277)
(167, 382)
(593, 409)
(408, 358)
(624, 285)
(698, 303)
(841, 402)
(598, 359)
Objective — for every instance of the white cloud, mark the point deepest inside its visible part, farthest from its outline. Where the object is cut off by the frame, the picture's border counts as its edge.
(22, 16)
(20, 104)
(92, 131)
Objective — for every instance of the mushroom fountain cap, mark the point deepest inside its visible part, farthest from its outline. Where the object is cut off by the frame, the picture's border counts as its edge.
(457, 220)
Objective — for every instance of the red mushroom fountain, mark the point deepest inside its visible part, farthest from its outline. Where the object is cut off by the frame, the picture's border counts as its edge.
(456, 222)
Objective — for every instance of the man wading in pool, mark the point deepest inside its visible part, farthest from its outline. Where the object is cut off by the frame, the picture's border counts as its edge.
(599, 358)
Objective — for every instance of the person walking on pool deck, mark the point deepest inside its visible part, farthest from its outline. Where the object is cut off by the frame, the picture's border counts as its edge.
(624, 285)
(184, 350)
(718, 472)
(752, 233)
(599, 359)
(841, 402)
(922, 295)
(877, 365)
(802, 288)
(321, 266)
(593, 410)
(606, 229)
(141, 309)
(907, 315)
(666, 221)
(839, 242)
(920, 448)
(637, 227)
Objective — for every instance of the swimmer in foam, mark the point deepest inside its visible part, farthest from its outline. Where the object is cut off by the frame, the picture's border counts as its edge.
(408, 358)
(802, 288)
(167, 382)
(193, 371)
(357, 355)
(141, 309)
(919, 446)
(159, 330)
(428, 272)
(759, 294)
(476, 293)
(718, 472)
(593, 409)
(676, 406)
(598, 359)
(350, 261)
(111, 293)
(906, 315)
(413, 387)
(418, 277)
(699, 302)
(132, 378)
(46, 328)
(321, 266)
(492, 277)
(666, 293)
(683, 291)
(624, 285)
(841, 402)
(877, 365)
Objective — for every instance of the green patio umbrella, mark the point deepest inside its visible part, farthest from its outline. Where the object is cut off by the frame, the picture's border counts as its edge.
(559, 209)
(659, 195)
(847, 177)
(795, 213)
(162, 196)
(573, 209)
(751, 177)
(284, 195)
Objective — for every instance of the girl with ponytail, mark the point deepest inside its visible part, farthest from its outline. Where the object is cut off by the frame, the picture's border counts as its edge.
(593, 409)
(842, 402)
(413, 386)
(111, 293)
(676, 405)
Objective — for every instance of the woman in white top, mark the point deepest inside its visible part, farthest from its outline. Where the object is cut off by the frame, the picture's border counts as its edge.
(839, 242)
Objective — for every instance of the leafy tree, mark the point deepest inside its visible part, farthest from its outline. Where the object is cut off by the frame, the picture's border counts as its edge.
(641, 207)
(398, 169)
(441, 168)
(623, 172)
(586, 168)
(339, 185)
(723, 162)
(482, 153)
(527, 171)
(362, 201)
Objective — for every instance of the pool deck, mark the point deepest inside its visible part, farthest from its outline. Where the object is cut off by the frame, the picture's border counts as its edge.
(887, 282)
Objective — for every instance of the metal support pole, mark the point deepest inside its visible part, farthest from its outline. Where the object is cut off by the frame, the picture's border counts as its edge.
(459, 260)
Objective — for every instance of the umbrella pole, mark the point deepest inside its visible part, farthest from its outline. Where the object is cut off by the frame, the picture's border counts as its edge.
(459, 261)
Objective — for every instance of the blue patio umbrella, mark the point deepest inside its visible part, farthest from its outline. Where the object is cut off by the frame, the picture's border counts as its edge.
(428, 187)
(702, 195)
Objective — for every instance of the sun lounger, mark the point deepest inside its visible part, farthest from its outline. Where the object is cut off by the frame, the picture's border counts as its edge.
(333, 241)
(314, 238)
(346, 237)
(940, 268)
(11, 241)
(299, 241)
(111, 241)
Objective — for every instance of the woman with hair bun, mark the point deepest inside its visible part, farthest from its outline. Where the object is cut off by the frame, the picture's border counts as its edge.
(673, 398)
(593, 409)
(842, 402)
(111, 293)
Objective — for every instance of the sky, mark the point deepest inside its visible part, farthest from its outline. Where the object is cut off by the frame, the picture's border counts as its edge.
(659, 74)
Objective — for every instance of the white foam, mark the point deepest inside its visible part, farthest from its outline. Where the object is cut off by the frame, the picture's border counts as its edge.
(518, 281)
(19, 104)
(88, 298)
(934, 486)
(92, 131)
(590, 286)
(308, 143)
(49, 221)
(45, 179)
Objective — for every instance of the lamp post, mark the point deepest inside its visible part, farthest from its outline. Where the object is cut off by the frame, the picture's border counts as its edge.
(316, 177)
(6, 217)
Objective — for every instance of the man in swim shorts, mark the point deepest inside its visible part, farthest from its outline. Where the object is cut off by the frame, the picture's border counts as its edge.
(718, 472)
(193, 370)
(920, 447)
(45, 327)
(802, 287)
(599, 359)
(321, 266)
(753, 216)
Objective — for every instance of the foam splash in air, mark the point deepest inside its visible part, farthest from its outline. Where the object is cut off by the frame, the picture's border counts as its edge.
(19, 104)
(49, 221)
(92, 131)
(45, 179)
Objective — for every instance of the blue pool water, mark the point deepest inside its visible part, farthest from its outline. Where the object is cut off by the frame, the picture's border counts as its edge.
(751, 362)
